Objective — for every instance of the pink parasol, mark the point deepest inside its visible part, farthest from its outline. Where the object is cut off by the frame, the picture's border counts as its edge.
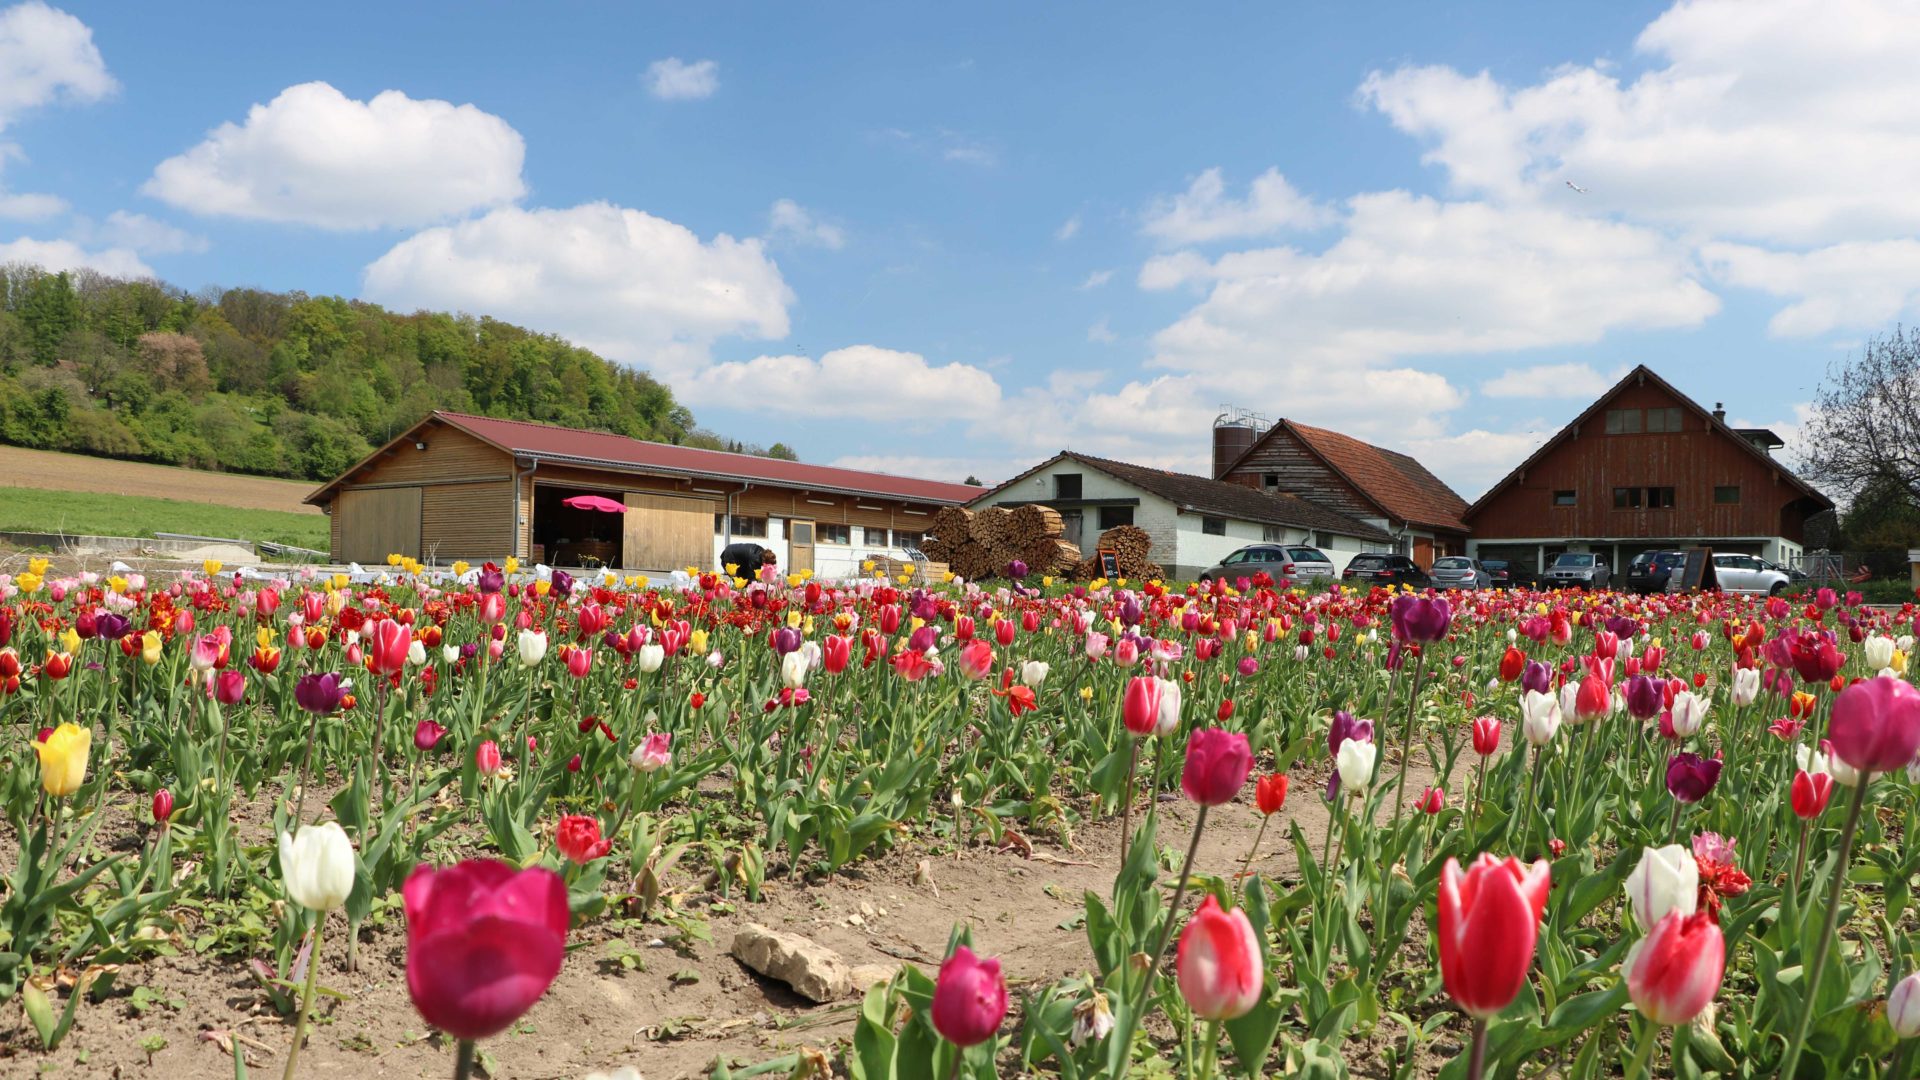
(595, 502)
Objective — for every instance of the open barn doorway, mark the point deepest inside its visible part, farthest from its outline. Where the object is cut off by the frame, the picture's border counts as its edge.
(569, 536)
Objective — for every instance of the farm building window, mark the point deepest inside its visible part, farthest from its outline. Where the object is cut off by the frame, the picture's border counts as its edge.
(1273, 534)
(1213, 526)
(1066, 486)
(1626, 498)
(1563, 498)
(908, 539)
(1663, 419)
(1112, 517)
(1659, 498)
(742, 525)
(1270, 480)
(1623, 421)
(1726, 494)
(824, 533)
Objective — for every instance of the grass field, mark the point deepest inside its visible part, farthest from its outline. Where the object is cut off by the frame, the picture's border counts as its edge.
(107, 476)
(94, 513)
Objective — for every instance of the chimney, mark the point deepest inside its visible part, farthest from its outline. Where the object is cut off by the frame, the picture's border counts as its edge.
(1720, 411)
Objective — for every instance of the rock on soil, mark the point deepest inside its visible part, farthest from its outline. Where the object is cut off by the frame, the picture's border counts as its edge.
(815, 972)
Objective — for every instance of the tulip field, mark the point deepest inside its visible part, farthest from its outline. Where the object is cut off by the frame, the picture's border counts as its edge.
(1305, 831)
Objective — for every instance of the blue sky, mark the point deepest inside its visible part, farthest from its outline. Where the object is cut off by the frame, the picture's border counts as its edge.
(899, 239)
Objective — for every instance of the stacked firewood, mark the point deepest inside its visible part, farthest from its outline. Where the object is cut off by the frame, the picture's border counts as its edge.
(1132, 551)
(984, 544)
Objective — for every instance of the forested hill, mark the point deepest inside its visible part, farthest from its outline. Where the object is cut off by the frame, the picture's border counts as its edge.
(285, 384)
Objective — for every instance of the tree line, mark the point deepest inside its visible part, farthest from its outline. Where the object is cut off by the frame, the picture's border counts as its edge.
(287, 384)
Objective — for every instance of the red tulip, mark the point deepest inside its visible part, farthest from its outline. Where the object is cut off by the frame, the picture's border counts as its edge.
(1876, 724)
(1810, 793)
(976, 659)
(483, 943)
(1003, 632)
(1140, 709)
(1270, 792)
(387, 644)
(426, 735)
(1594, 699)
(579, 662)
(1674, 972)
(1432, 801)
(969, 998)
(1219, 967)
(486, 758)
(59, 665)
(1512, 663)
(578, 838)
(1216, 767)
(1489, 923)
(1486, 735)
(835, 653)
(229, 687)
(162, 805)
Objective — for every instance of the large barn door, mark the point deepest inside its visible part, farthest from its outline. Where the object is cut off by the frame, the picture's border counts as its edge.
(662, 532)
(378, 522)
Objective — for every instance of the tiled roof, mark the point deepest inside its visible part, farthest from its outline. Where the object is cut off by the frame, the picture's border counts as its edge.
(1397, 483)
(620, 451)
(1222, 499)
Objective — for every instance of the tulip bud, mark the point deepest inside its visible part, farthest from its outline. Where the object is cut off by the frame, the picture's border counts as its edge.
(1355, 765)
(1903, 1007)
(317, 865)
(1674, 972)
(969, 998)
(162, 805)
(1666, 879)
(1220, 968)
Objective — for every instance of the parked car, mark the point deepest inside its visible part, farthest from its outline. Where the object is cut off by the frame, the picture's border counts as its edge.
(1310, 563)
(1649, 570)
(1460, 572)
(1379, 568)
(1750, 574)
(1254, 559)
(1578, 570)
(1506, 575)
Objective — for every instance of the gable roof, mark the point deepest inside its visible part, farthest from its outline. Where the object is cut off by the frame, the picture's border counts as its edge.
(1399, 485)
(1216, 498)
(1643, 373)
(578, 446)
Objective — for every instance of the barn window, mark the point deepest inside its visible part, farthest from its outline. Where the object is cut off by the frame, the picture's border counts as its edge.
(1563, 498)
(1213, 526)
(742, 525)
(1659, 498)
(825, 533)
(1271, 480)
(1726, 494)
(1626, 498)
(1623, 421)
(1066, 486)
(1663, 419)
(1273, 534)
(905, 539)
(1112, 517)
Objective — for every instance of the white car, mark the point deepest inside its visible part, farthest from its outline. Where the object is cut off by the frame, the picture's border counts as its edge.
(1749, 574)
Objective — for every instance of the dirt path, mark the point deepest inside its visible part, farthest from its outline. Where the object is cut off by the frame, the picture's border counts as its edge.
(49, 471)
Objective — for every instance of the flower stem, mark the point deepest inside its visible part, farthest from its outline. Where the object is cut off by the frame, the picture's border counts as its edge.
(1642, 1052)
(463, 1060)
(1406, 736)
(1247, 868)
(1209, 1053)
(306, 996)
(1825, 940)
(1477, 1063)
(1126, 802)
(1160, 947)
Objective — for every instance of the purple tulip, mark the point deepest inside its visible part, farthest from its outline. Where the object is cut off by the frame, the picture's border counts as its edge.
(562, 584)
(1130, 612)
(1876, 724)
(1537, 677)
(1645, 697)
(1623, 627)
(1016, 569)
(319, 693)
(111, 626)
(785, 640)
(1690, 776)
(492, 581)
(1420, 618)
(923, 639)
(1249, 667)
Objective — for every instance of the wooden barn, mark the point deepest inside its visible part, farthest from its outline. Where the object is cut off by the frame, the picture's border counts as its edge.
(1645, 468)
(456, 486)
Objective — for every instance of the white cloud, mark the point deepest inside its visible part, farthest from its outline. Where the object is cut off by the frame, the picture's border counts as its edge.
(1102, 334)
(1548, 381)
(314, 156)
(140, 233)
(623, 282)
(1852, 285)
(57, 255)
(1205, 213)
(1791, 429)
(790, 222)
(1473, 461)
(47, 55)
(30, 207)
(1786, 120)
(1095, 280)
(945, 144)
(1068, 229)
(674, 79)
(862, 381)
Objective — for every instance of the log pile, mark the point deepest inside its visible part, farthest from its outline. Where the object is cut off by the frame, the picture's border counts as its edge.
(1133, 553)
(983, 544)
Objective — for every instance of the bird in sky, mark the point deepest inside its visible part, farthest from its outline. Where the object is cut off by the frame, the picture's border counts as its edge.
(1576, 187)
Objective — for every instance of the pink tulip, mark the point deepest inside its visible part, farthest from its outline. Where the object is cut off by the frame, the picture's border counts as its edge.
(976, 659)
(483, 943)
(1220, 969)
(579, 662)
(1140, 709)
(1674, 972)
(229, 687)
(969, 999)
(387, 643)
(1876, 724)
(1218, 763)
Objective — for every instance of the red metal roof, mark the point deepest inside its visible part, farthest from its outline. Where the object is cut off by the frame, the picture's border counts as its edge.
(547, 440)
(1400, 485)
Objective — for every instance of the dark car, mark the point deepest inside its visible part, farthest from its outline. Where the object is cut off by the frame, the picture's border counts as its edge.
(1649, 570)
(1377, 568)
(1505, 575)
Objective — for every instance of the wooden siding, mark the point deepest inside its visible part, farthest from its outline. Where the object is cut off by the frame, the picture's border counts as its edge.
(1693, 461)
(378, 522)
(1303, 474)
(662, 532)
(333, 529)
(466, 521)
(451, 456)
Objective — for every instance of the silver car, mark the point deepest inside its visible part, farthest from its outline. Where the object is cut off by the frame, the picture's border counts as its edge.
(1310, 563)
(1459, 572)
(1251, 561)
(1577, 570)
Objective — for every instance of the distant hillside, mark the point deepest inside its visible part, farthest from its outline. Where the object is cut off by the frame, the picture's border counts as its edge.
(285, 384)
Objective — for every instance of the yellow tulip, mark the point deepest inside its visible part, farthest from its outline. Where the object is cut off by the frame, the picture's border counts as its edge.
(341, 581)
(739, 583)
(117, 584)
(733, 569)
(263, 637)
(1086, 693)
(63, 759)
(794, 581)
(212, 566)
(512, 564)
(698, 639)
(947, 577)
(641, 581)
(29, 582)
(150, 643)
(393, 558)
(915, 623)
(1898, 662)
(336, 602)
(1046, 581)
(38, 567)
(793, 619)
(70, 640)
(867, 565)
(807, 626)
(905, 578)
(460, 567)
(542, 588)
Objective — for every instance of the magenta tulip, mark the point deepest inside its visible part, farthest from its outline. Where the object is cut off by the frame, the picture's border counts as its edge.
(1217, 766)
(1220, 969)
(1876, 724)
(969, 999)
(483, 943)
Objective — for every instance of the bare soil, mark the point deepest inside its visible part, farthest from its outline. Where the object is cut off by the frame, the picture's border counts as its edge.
(49, 471)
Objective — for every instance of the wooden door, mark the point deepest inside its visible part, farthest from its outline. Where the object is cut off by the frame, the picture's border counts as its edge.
(799, 546)
(1423, 552)
(378, 522)
(666, 532)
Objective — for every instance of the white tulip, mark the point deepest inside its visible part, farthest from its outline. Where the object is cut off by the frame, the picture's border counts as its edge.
(811, 650)
(1746, 686)
(1300, 653)
(1570, 700)
(716, 659)
(1689, 712)
(1844, 774)
(1667, 879)
(1168, 720)
(650, 656)
(1512, 635)
(450, 653)
(1034, 672)
(1913, 771)
(1903, 1007)
(416, 654)
(1904, 642)
(532, 646)
(1540, 717)
(793, 670)
(317, 866)
(1810, 760)
(1878, 651)
(1355, 762)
